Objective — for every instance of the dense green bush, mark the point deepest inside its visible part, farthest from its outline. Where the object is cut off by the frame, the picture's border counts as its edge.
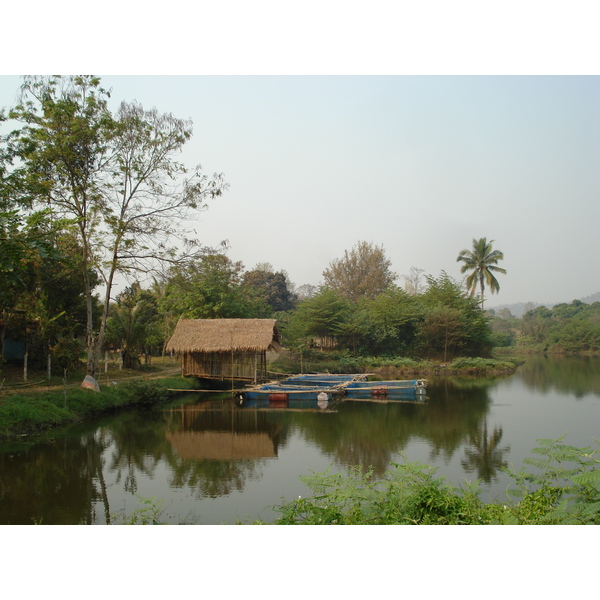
(443, 321)
(566, 328)
(145, 392)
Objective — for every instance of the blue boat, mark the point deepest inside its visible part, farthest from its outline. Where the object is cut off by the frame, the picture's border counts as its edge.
(387, 389)
(291, 403)
(320, 389)
(281, 396)
(323, 379)
(355, 385)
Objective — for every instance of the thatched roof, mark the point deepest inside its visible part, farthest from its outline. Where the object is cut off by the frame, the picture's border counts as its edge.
(224, 335)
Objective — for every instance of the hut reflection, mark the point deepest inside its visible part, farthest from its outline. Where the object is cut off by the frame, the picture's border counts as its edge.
(198, 433)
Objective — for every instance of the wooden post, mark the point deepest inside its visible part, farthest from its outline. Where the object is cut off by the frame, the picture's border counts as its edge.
(49, 368)
(65, 385)
(25, 363)
(106, 361)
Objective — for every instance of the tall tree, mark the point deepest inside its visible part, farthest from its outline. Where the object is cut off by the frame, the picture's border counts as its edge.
(208, 288)
(481, 261)
(467, 323)
(363, 272)
(272, 288)
(413, 282)
(115, 176)
(133, 323)
(323, 317)
(64, 148)
(389, 322)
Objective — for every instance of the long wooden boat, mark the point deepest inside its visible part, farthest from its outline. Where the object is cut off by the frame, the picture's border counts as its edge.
(359, 384)
(323, 379)
(387, 389)
(322, 388)
(282, 395)
(291, 403)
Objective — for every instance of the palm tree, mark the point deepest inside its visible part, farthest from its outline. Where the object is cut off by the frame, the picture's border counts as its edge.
(481, 261)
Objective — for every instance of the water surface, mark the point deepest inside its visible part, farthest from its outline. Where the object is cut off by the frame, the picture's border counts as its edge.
(210, 462)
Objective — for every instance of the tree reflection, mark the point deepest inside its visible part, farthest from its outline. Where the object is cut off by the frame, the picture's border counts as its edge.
(567, 375)
(138, 445)
(215, 449)
(213, 478)
(56, 481)
(484, 455)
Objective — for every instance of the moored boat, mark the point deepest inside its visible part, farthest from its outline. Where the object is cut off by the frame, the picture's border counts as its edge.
(281, 395)
(379, 389)
(323, 387)
(358, 383)
(323, 379)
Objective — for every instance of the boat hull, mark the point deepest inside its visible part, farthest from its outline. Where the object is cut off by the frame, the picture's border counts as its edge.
(283, 394)
(286, 396)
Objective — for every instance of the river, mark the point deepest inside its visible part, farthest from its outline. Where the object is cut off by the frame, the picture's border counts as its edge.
(207, 461)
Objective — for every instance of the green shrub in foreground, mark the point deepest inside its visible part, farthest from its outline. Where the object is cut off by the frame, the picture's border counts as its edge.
(565, 491)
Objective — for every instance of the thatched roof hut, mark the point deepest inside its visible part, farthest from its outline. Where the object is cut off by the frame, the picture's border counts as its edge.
(225, 348)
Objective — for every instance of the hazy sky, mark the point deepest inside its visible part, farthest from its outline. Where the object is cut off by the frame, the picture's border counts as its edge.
(420, 165)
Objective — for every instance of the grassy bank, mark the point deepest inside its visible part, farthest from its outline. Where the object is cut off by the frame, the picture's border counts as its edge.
(38, 405)
(392, 368)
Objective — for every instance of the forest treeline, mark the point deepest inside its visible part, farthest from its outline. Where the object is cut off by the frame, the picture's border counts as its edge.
(439, 321)
(565, 328)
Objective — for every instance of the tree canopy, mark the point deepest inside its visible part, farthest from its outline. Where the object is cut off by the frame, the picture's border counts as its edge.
(114, 176)
(481, 261)
(363, 272)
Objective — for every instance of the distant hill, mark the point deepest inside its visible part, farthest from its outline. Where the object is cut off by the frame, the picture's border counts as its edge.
(591, 299)
(520, 308)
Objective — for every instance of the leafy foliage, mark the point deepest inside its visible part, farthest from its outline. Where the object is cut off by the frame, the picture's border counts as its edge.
(133, 324)
(272, 288)
(482, 263)
(363, 272)
(564, 328)
(145, 392)
(114, 176)
(565, 491)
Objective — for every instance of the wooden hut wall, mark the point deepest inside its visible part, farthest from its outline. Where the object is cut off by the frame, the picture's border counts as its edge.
(225, 365)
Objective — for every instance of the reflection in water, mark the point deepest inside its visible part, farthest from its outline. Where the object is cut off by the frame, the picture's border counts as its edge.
(215, 447)
(201, 434)
(363, 433)
(207, 458)
(218, 445)
(576, 375)
(54, 482)
(484, 456)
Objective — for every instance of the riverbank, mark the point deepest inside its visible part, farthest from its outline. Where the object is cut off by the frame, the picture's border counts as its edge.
(395, 368)
(27, 408)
